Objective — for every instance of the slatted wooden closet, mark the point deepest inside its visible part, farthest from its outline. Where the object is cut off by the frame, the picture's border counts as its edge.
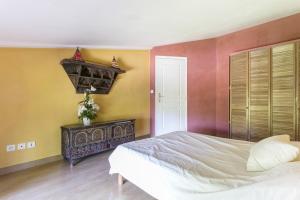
(264, 92)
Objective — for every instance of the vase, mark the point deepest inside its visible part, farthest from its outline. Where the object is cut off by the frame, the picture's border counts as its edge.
(86, 121)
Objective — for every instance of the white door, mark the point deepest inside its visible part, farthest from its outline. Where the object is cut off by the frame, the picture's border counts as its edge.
(170, 94)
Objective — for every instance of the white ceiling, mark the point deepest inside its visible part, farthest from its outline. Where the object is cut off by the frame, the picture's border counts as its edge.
(134, 24)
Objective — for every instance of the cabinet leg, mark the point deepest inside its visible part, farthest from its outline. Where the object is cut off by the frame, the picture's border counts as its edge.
(121, 180)
(75, 161)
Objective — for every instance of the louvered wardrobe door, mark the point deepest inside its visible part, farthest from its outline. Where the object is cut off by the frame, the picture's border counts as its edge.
(283, 90)
(259, 94)
(239, 96)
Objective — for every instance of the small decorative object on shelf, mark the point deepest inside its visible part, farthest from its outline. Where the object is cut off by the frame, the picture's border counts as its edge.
(114, 63)
(83, 74)
(77, 55)
(87, 109)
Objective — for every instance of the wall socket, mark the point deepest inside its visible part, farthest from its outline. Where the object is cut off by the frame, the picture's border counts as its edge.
(10, 147)
(21, 146)
(30, 144)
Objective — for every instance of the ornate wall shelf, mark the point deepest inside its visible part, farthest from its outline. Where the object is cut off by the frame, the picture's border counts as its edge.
(84, 74)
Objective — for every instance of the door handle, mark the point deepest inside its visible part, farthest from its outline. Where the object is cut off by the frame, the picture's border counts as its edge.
(159, 97)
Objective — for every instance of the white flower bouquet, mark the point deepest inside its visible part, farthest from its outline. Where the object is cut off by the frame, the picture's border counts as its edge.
(87, 109)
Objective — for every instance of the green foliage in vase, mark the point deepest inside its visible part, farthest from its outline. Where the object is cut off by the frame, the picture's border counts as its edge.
(87, 108)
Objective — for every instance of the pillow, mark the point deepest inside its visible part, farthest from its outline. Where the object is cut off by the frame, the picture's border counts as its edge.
(296, 144)
(271, 152)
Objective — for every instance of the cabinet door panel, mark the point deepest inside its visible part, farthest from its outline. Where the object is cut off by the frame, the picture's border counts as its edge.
(283, 90)
(239, 96)
(259, 94)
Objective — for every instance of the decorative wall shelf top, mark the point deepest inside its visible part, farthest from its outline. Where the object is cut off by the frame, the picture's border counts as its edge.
(84, 74)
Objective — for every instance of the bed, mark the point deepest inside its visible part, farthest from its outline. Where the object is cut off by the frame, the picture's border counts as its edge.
(184, 165)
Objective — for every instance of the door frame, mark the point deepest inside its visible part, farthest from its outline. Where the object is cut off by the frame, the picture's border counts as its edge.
(155, 89)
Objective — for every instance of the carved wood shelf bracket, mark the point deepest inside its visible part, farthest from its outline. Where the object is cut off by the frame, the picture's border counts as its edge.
(84, 74)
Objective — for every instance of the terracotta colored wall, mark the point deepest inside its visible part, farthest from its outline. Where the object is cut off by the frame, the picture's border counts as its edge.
(281, 30)
(208, 70)
(201, 74)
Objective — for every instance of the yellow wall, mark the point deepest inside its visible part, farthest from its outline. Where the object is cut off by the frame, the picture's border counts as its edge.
(37, 97)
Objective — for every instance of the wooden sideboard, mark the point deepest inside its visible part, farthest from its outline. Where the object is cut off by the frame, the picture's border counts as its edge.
(78, 141)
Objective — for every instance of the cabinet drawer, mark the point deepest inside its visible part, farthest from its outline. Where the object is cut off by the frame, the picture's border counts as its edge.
(88, 136)
(122, 130)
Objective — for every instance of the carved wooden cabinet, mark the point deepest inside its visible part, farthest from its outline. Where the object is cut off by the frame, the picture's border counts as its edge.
(80, 141)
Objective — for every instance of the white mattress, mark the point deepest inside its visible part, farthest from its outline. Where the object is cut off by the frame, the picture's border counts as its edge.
(183, 165)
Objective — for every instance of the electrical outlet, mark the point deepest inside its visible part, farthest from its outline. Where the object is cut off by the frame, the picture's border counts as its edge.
(30, 144)
(21, 146)
(10, 147)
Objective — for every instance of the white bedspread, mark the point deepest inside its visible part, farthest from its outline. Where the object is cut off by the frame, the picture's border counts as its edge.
(191, 166)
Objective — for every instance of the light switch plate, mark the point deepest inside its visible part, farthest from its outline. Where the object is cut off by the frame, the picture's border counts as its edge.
(10, 147)
(31, 145)
(21, 146)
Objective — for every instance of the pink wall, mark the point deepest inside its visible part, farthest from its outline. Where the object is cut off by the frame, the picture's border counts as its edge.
(208, 70)
(201, 72)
